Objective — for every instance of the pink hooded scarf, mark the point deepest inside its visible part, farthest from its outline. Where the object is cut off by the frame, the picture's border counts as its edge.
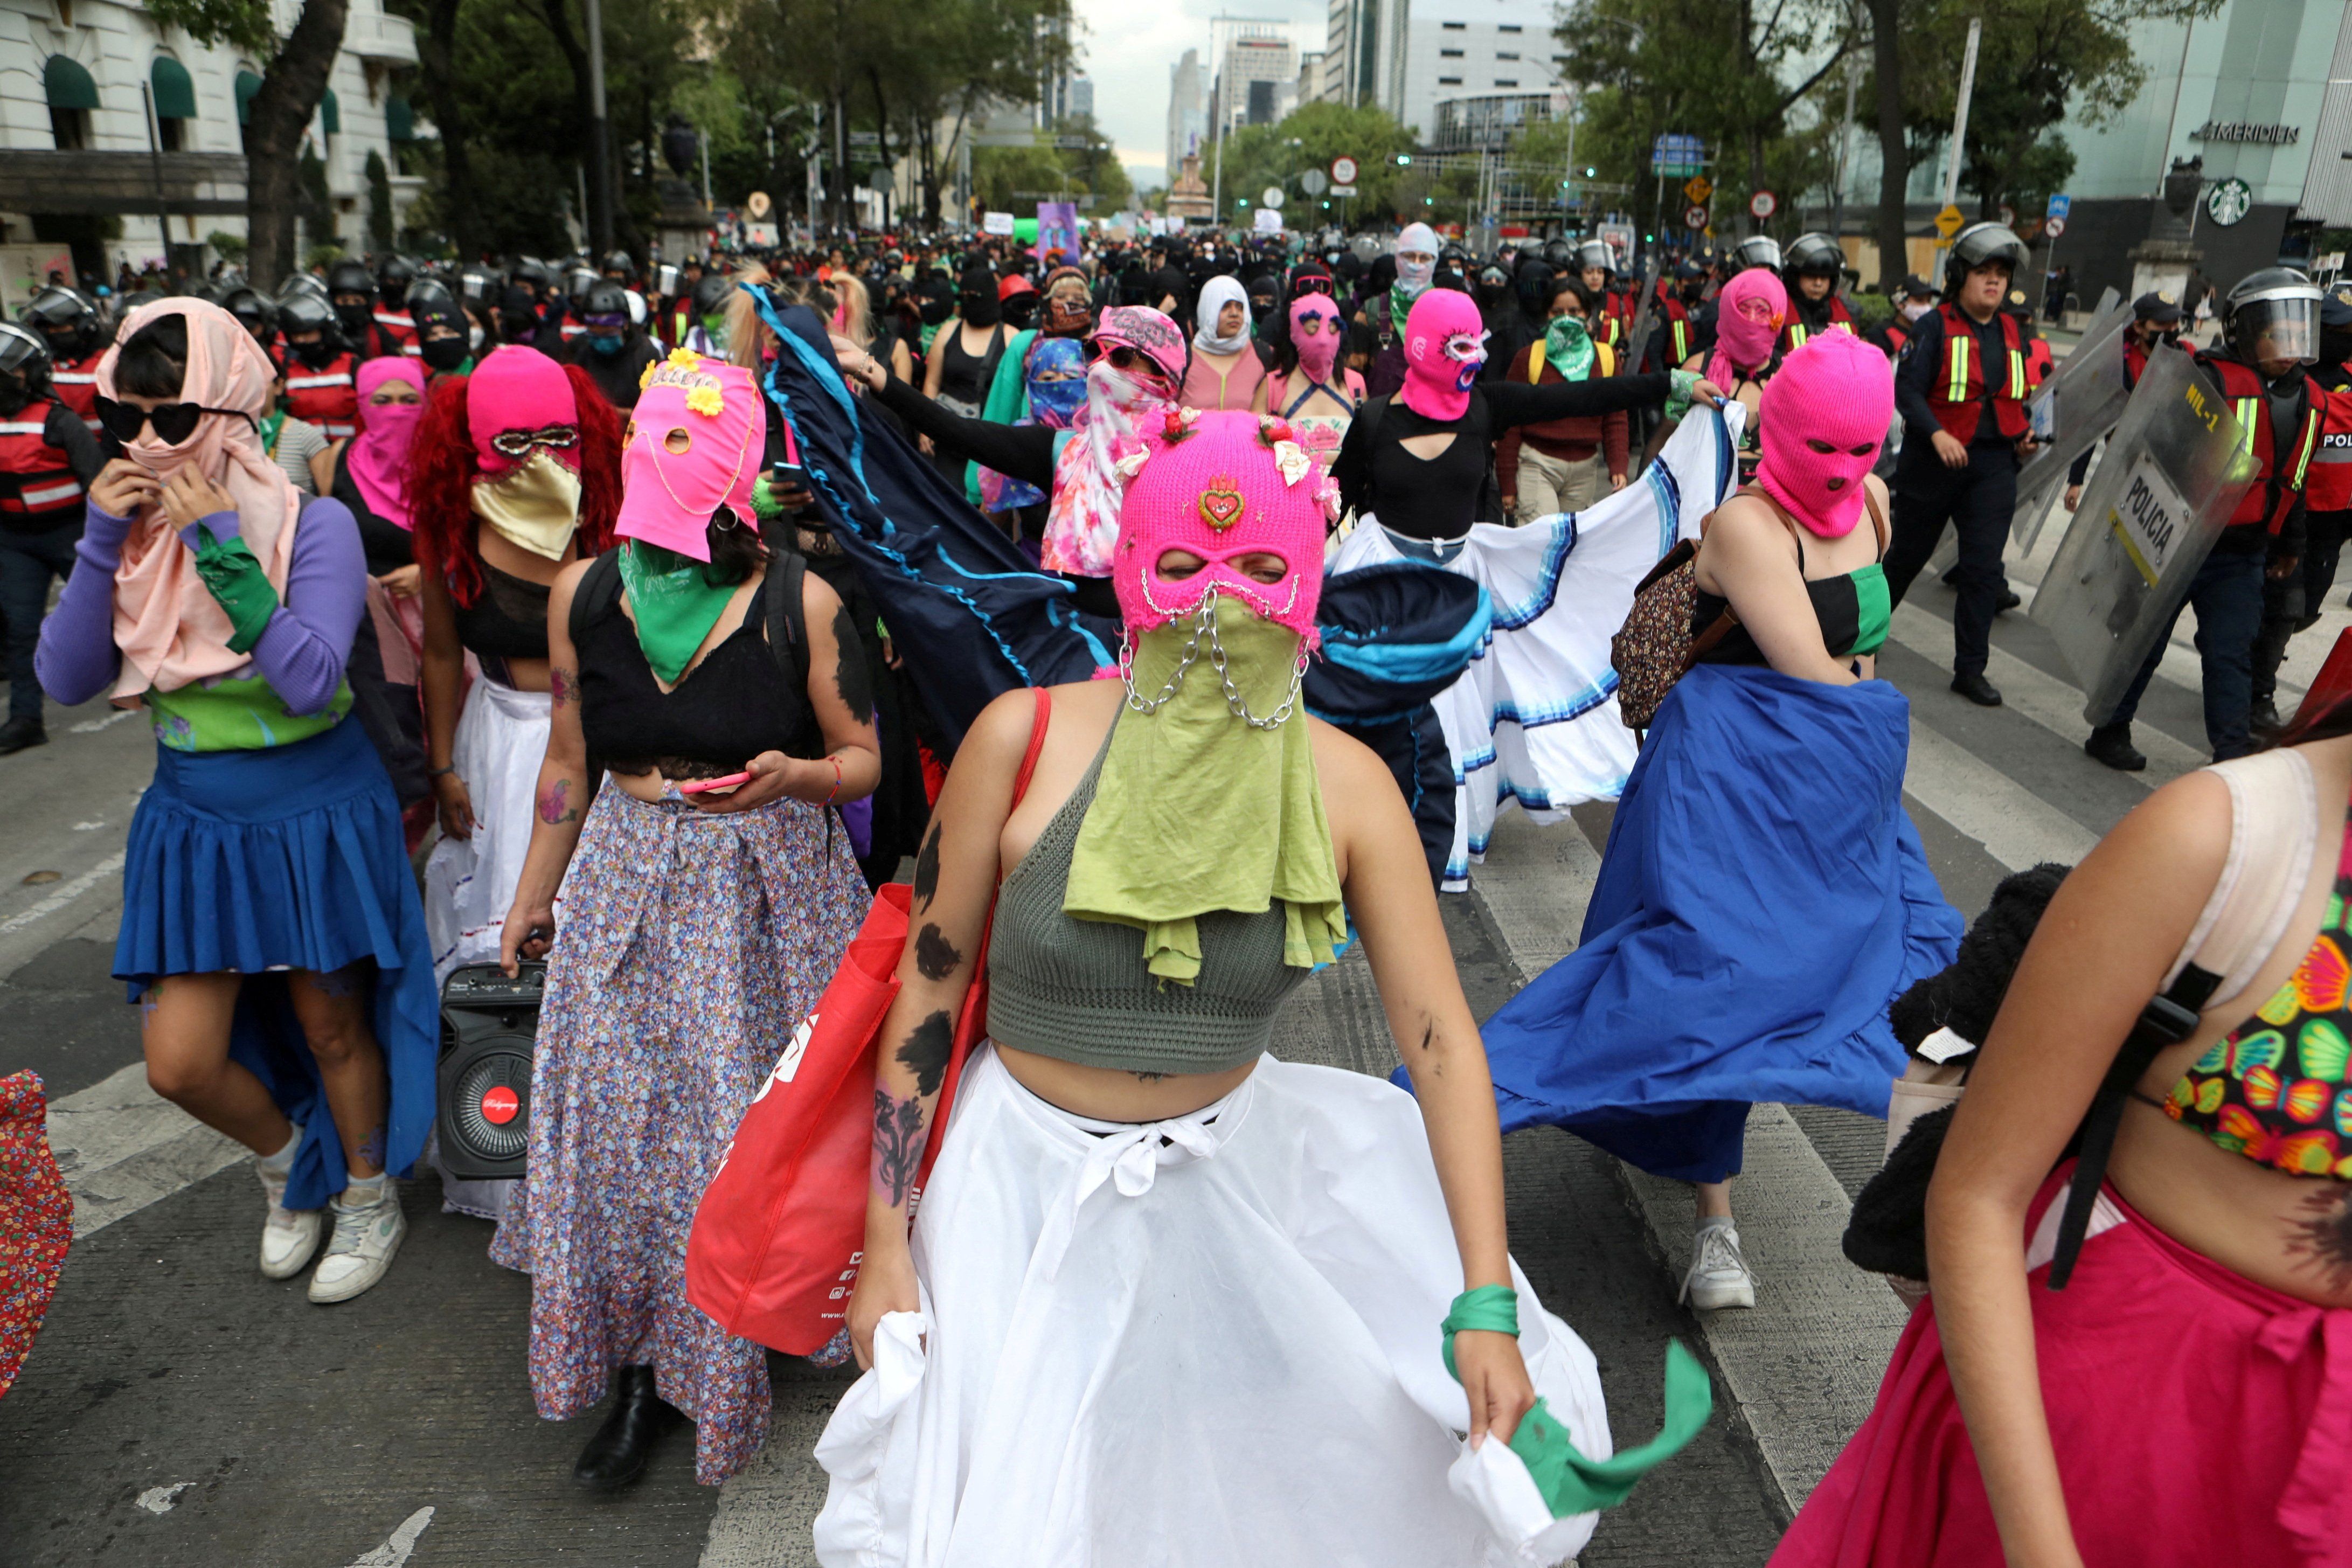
(695, 439)
(1748, 315)
(1445, 344)
(1106, 440)
(378, 455)
(1836, 390)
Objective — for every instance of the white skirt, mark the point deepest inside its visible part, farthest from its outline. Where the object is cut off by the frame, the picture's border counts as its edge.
(1195, 1343)
(1535, 717)
(469, 883)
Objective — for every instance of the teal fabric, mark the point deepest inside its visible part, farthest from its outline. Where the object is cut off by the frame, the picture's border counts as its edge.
(1008, 399)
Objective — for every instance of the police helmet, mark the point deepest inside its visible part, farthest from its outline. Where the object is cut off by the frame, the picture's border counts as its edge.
(65, 316)
(304, 312)
(480, 286)
(602, 301)
(429, 290)
(253, 313)
(350, 277)
(577, 282)
(711, 292)
(534, 274)
(395, 275)
(1815, 255)
(620, 261)
(1595, 253)
(1756, 250)
(309, 283)
(1560, 254)
(25, 355)
(2273, 314)
(1983, 245)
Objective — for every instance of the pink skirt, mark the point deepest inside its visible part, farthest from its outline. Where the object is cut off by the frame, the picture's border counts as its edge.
(2198, 1418)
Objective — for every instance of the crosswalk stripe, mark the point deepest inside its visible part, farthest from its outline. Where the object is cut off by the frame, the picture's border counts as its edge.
(2017, 828)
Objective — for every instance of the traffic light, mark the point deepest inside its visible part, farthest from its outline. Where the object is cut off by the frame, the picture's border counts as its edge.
(1588, 174)
(1402, 158)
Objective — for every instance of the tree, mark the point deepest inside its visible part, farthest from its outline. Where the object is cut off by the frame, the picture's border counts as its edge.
(379, 197)
(293, 80)
(1309, 137)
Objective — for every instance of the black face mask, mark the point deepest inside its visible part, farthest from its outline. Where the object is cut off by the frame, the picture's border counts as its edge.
(980, 309)
(13, 395)
(443, 354)
(353, 318)
(316, 356)
(935, 310)
(1021, 312)
(518, 326)
(2335, 345)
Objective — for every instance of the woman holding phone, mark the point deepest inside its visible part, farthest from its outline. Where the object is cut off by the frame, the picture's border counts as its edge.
(706, 897)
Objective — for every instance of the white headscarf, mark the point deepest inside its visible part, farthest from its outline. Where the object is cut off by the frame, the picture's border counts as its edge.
(1216, 295)
(1418, 238)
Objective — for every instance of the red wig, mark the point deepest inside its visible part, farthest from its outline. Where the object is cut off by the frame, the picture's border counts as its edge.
(442, 470)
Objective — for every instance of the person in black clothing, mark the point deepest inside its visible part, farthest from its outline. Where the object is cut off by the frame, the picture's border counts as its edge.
(614, 350)
(1961, 390)
(351, 288)
(47, 458)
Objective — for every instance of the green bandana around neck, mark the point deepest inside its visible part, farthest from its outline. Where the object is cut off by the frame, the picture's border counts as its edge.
(674, 604)
(1196, 811)
(1401, 300)
(271, 424)
(1568, 344)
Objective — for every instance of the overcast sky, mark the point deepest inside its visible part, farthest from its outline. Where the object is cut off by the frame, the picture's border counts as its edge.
(1131, 46)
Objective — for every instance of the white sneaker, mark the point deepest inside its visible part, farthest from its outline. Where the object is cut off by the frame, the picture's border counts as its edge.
(288, 1237)
(1719, 1276)
(361, 1251)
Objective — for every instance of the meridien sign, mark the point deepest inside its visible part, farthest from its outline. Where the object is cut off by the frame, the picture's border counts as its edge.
(2246, 130)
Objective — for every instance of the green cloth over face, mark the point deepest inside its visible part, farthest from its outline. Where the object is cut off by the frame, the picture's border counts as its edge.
(1568, 1481)
(234, 573)
(673, 601)
(1198, 811)
(1568, 344)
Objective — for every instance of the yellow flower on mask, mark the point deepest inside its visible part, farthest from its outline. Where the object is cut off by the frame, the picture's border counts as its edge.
(684, 359)
(706, 401)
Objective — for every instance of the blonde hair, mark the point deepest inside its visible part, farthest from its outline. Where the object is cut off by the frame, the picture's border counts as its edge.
(747, 335)
(855, 308)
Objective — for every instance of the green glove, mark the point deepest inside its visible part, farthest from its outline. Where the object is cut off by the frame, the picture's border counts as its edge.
(764, 501)
(1678, 396)
(239, 586)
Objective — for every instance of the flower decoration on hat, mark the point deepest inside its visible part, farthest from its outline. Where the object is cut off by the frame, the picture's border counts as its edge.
(684, 359)
(1178, 424)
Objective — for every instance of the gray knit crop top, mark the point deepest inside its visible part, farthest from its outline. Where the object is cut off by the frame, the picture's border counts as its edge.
(1078, 991)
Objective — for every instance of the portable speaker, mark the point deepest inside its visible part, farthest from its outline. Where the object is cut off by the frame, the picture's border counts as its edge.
(488, 1022)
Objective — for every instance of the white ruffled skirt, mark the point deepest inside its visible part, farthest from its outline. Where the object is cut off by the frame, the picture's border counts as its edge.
(1203, 1342)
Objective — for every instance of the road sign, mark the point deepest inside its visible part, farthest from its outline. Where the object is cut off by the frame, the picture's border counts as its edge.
(2053, 226)
(2229, 201)
(2008, 215)
(1763, 204)
(1695, 217)
(1343, 190)
(1313, 182)
(757, 204)
(2062, 206)
(1268, 221)
(1271, 197)
(1949, 222)
(1698, 187)
(1343, 170)
(1676, 154)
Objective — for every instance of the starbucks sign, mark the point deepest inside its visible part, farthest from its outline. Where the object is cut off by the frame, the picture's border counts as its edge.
(2229, 201)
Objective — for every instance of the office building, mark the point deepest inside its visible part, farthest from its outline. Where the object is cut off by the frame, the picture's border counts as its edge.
(1188, 109)
(1466, 49)
(1257, 77)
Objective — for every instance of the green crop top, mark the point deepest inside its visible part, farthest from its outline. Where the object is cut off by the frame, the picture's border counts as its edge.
(1078, 991)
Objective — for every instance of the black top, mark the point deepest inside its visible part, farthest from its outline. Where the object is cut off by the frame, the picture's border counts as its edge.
(616, 375)
(1024, 452)
(1837, 605)
(61, 427)
(734, 705)
(388, 546)
(963, 376)
(1922, 365)
(506, 620)
(1436, 498)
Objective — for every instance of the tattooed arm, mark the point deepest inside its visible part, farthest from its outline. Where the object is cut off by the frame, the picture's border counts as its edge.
(561, 798)
(841, 694)
(955, 878)
(442, 677)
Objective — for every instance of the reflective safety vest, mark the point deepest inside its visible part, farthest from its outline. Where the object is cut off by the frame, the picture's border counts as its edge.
(2283, 472)
(1675, 317)
(34, 479)
(1957, 396)
(75, 384)
(327, 397)
(2328, 486)
(1793, 335)
(400, 327)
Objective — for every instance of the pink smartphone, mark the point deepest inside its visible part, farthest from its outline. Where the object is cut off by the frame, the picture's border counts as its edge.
(725, 780)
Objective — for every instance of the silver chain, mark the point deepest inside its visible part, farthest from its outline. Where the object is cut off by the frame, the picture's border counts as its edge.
(1204, 623)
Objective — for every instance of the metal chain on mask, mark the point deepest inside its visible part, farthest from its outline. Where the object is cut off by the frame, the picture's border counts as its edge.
(1204, 623)
(1233, 694)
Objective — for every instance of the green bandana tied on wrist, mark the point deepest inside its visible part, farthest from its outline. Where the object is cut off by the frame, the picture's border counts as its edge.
(234, 573)
(1568, 344)
(1680, 384)
(1570, 1483)
(673, 601)
(1196, 810)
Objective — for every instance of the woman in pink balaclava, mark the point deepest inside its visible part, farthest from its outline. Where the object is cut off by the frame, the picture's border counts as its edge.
(1749, 314)
(1774, 767)
(708, 896)
(1312, 393)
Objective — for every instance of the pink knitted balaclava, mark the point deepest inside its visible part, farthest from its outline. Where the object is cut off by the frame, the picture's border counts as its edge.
(518, 389)
(1835, 392)
(1223, 486)
(1319, 351)
(1744, 333)
(1445, 344)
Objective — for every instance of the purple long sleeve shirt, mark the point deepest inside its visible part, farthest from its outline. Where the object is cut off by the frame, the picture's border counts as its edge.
(301, 652)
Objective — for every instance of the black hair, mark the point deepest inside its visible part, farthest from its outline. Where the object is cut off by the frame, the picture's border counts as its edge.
(155, 363)
(736, 551)
(1570, 283)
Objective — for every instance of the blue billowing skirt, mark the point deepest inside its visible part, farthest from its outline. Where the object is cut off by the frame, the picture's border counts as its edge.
(1764, 898)
(289, 858)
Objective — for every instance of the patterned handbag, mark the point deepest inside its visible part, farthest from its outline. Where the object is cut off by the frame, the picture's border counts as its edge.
(1656, 647)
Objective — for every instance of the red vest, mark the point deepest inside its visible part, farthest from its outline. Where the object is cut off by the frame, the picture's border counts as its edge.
(1674, 316)
(34, 477)
(1793, 335)
(1958, 392)
(2328, 486)
(327, 397)
(400, 327)
(74, 383)
(2273, 496)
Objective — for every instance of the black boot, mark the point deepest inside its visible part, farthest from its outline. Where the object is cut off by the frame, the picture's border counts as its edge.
(1972, 684)
(2111, 744)
(617, 1455)
(19, 733)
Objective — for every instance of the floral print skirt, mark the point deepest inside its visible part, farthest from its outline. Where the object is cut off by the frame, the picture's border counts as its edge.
(688, 947)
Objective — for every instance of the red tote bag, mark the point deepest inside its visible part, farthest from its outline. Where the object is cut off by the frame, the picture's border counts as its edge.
(776, 1241)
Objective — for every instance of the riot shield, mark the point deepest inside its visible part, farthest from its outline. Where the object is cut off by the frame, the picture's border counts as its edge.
(2172, 475)
(2080, 403)
(1646, 319)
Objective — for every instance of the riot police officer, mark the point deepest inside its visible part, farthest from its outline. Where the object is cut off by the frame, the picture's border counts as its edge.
(1914, 298)
(1961, 390)
(321, 374)
(2327, 508)
(47, 459)
(393, 317)
(2270, 332)
(1814, 268)
(69, 324)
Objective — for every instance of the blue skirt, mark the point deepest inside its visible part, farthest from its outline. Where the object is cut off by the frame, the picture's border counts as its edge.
(1764, 898)
(290, 858)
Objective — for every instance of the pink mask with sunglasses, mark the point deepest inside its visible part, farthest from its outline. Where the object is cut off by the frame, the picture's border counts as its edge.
(518, 401)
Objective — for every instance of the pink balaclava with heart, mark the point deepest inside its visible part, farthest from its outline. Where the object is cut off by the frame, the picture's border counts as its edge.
(1836, 390)
(1223, 486)
(1445, 344)
(693, 445)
